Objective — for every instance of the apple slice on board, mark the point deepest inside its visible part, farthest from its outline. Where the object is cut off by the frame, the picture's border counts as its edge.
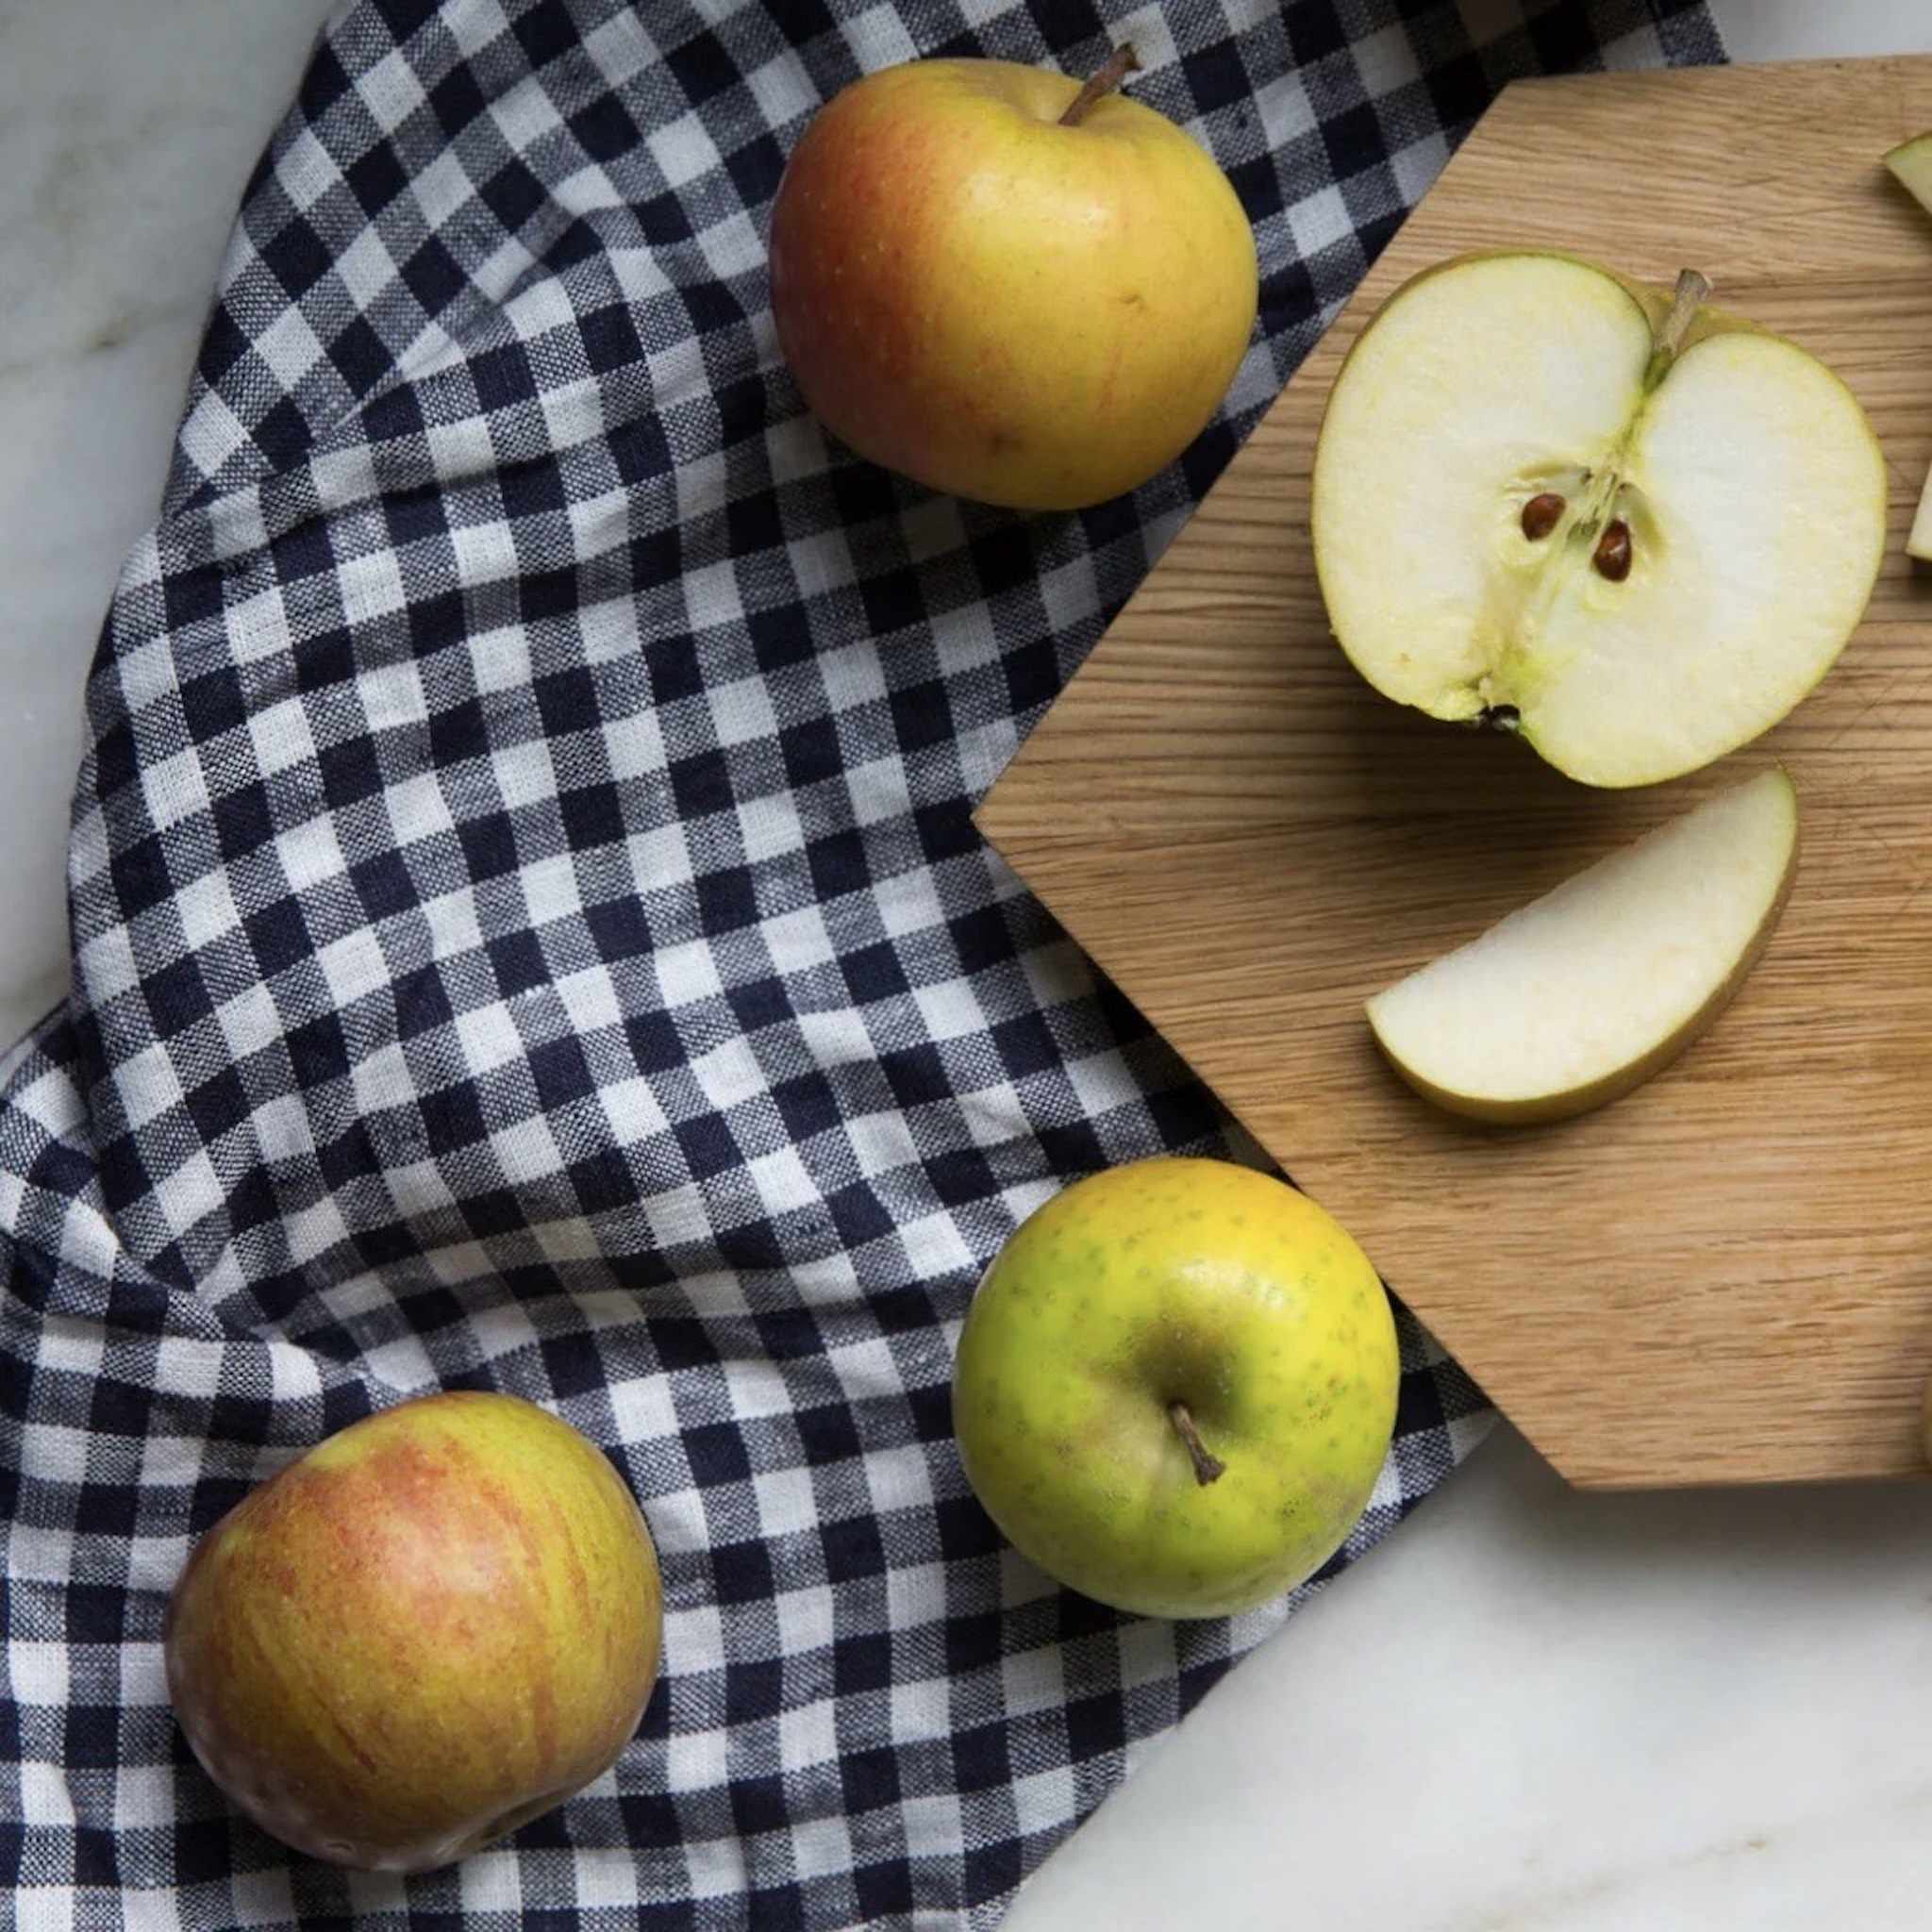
(1912, 161)
(1633, 529)
(1588, 992)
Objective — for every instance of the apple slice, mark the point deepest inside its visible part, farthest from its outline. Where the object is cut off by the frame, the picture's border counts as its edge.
(1586, 992)
(1919, 544)
(1630, 529)
(1912, 161)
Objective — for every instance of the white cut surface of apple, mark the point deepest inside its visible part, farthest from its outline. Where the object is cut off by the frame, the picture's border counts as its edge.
(1919, 544)
(1912, 161)
(1713, 506)
(1588, 992)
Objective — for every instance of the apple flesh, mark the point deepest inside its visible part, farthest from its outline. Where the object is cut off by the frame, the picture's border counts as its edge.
(1911, 162)
(1587, 992)
(1919, 542)
(999, 304)
(437, 1623)
(1175, 1387)
(1629, 528)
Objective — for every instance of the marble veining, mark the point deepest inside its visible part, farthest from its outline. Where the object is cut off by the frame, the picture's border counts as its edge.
(126, 133)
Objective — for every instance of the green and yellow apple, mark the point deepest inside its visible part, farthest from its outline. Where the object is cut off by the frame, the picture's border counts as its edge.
(1005, 285)
(439, 1622)
(1175, 1387)
(1608, 517)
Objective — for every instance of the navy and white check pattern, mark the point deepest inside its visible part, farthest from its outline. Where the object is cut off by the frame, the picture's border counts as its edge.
(528, 932)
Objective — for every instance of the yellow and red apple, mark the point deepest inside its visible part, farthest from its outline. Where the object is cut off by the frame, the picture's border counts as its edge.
(1006, 285)
(439, 1622)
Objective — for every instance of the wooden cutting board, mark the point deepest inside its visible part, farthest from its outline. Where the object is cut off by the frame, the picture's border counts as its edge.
(1727, 1277)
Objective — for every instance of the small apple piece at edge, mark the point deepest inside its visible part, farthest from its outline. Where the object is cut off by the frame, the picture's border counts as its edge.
(1586, 992)
(1911, 162)
(1919, 544)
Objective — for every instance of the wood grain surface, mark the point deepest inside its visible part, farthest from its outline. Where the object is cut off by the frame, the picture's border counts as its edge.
(1728, 1275)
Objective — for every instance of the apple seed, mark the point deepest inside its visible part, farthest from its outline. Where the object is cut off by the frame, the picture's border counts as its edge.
(1540, 515)
(1612, 554)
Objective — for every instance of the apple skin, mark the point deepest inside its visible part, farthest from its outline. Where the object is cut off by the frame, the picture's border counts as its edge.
(1027, 314)
(1184, 1280)
(437, 1625)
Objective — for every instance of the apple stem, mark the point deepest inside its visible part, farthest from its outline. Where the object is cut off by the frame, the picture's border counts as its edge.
(1120, 63)
(1685, 301)
(1208, 1468)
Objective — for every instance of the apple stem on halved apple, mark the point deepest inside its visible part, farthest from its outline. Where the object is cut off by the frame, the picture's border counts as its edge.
(1101, 82)
(1686, 300)
(1208, 1468)
(1613, 554)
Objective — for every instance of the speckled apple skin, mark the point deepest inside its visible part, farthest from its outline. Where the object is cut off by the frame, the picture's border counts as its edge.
(441, 1622)
(1186, 1280)
(999, 305)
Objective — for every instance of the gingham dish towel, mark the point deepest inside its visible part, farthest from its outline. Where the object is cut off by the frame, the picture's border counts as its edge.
(528, 932)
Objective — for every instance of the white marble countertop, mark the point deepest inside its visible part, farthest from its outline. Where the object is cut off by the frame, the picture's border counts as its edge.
(1530, 1709)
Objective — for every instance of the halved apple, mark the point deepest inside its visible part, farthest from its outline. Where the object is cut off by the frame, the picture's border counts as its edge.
(1630, 529)
(1588, 992)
